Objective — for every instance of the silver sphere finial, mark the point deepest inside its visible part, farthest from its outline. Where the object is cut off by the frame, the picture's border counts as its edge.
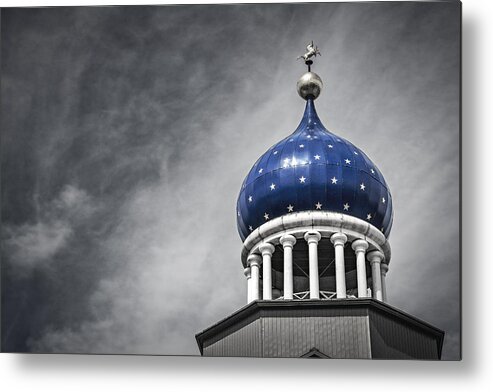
(309, 86)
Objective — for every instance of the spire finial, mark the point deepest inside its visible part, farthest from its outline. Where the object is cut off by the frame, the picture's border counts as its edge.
(310, 85)
(311, 51)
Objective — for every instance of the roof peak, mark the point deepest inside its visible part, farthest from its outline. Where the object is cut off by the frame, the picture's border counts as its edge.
(310, 117)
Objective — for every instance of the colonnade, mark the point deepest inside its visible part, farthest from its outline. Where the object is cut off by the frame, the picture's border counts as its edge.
(264, 260)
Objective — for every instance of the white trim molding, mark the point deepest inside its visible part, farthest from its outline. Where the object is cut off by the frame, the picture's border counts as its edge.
(324, 222)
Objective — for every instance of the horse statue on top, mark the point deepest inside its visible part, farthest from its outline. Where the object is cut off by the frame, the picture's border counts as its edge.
(311, 52)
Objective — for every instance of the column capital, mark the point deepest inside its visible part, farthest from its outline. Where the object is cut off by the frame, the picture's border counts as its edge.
(312, 236)
(287, 240)
(266, 249)
(359, 245)
(338, 239)
(375, 257)
(254, 260)
(248, 272)
(384, 268)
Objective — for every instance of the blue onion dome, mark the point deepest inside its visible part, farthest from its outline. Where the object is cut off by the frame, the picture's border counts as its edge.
(313, 169)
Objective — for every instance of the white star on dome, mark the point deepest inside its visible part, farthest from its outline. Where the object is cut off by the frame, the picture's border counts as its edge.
(330, 145)
(318, 206)
(309, 136)
(317, 157)
(290, 208)
(368, 216)
(275, 152)
(302, 145)
(372, 171)
(348, 162)
(272, 186)
(286, 162)
(250, 199)
(260, 171)
(266, 216)
(251, 228)
(355, 153)
(293, 162)
(383, 200)
(238, 213)
(334, 180)
(302, 180)
(346, 207)
(362, 186)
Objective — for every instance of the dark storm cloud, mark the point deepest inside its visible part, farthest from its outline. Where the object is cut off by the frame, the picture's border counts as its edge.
(126, 133)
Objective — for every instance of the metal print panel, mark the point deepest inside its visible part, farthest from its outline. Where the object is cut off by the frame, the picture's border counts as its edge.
(265, 180)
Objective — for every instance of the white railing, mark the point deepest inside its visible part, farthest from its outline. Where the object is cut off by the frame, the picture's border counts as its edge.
(327, 295)
(324, 295)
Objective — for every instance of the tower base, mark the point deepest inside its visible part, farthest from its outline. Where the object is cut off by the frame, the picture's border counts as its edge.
(350, 328)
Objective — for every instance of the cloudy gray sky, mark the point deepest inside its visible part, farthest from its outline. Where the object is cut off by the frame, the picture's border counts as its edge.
(127, 131)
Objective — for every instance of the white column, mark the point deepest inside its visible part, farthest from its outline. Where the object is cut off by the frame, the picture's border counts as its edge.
(375, 258)
(247, 272)
(267, 249)
(339, 239)
(287, 241)
(312, 238)
(254, 261)
(383, 273)
(360, 247)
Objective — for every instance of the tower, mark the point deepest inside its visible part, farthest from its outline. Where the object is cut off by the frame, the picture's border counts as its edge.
(315, 214)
